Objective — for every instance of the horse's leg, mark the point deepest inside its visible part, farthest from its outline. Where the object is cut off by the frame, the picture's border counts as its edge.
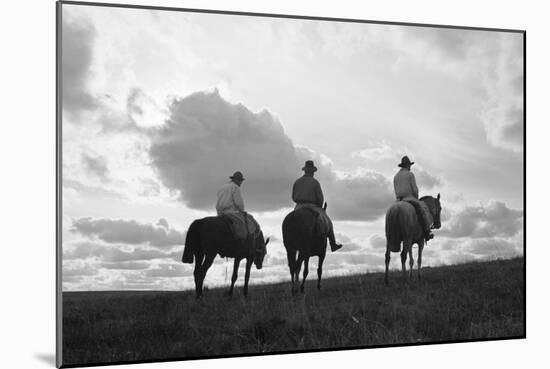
(306, 272)
(404, 252)
(297, 267)
(208, 260)
(387, 257)
(234, 276)
(320, 271)
(247, 275)
(411, 262)
(420, 249)
(199, 257)
(291, 258)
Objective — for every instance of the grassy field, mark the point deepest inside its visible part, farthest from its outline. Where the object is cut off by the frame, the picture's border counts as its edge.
(462, 302)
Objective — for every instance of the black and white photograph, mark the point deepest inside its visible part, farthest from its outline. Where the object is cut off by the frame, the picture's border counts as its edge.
(237, 184)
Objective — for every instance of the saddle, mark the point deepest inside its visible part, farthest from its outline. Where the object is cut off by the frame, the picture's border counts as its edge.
(417, 205)
(243, 227)
(320, 216)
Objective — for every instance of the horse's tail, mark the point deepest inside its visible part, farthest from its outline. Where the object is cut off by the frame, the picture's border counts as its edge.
(293, 232)
(289, 230)
(192, 242)
(394, 230)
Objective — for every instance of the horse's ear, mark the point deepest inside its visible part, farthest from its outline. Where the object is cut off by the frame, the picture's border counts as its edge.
(267, 241)
(438, 196)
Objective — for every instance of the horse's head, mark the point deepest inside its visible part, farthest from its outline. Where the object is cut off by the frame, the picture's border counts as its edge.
(434, 205)
(260, 250)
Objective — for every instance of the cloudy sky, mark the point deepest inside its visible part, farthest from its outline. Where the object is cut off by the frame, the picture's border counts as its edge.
(159, 108)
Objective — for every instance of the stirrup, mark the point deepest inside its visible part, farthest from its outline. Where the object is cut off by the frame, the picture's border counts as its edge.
(335, 246)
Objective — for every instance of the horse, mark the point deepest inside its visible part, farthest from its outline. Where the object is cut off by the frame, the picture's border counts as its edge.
(303, 239)
(210, 236)
(402, 225)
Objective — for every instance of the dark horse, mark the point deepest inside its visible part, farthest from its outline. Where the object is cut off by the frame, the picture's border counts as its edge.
(402, 225)
(303, 238)
(210, 236)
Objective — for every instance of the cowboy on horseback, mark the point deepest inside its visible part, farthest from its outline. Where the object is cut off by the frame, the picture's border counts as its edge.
(306, 192)
(230, 204)
(404, 184)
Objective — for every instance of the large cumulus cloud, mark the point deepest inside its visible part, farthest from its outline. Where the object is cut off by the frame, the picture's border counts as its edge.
(128, 231)
(207, 138)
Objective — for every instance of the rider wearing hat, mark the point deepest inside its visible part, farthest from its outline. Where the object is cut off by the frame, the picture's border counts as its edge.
(306, 192)
(406, 189)
(230, 204)
(229, 196)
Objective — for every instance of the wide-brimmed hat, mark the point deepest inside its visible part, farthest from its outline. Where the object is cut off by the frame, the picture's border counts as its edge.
(238, 176)
(405, 162)
(310, 166)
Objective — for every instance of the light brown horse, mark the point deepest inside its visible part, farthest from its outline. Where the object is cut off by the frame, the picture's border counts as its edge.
(403, 226)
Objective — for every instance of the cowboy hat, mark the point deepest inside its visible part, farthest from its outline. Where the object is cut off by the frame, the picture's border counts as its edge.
(237, 176)
(405, 162)
(310, 166)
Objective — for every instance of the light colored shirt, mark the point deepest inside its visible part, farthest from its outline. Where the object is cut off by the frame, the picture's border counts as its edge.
(229, 199)
(307, 190)
(404, 184)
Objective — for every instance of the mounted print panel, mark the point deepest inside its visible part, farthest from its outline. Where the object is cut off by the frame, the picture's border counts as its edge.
(244, 184)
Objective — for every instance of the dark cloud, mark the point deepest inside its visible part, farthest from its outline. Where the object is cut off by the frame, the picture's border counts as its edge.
(97, 166)
(128, 232)
(113, 254)
(206, 139)
(494, 220)
(78, 36)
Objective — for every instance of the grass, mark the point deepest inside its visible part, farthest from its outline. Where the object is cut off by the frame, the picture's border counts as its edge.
(452, 303)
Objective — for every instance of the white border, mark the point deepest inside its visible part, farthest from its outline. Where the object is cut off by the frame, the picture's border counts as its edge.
(28, 181)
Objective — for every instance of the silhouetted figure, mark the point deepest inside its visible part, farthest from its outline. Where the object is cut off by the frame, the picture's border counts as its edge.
(404, 184)
(306, 192)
